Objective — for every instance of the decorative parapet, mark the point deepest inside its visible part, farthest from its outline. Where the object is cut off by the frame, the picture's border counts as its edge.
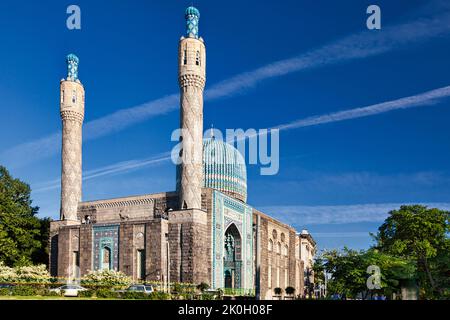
(72, 115)
(116, 203)
(191, 80)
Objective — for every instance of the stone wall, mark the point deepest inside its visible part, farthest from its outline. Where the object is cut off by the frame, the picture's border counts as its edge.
(277, 232)
(189, 246)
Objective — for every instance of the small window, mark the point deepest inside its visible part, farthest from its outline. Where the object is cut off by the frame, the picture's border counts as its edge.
(270, 245)
(62, 96)
(185, 56)
(74, 96)
(197, 58)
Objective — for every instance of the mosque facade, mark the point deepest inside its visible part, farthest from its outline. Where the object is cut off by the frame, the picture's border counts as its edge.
(204, 231)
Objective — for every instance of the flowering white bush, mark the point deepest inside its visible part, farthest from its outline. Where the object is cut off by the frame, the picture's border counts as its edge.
(7, 274)
(30, 274)
(34, 274)
(106, 278)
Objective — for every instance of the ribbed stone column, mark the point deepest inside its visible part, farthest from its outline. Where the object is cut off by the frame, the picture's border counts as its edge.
(72, 115)
(191, 78)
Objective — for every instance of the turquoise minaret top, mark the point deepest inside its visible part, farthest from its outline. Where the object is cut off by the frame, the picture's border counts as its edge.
(192, 16)
(72, 67)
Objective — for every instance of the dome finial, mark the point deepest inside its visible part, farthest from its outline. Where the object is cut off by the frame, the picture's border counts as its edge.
(192, 16)
(212, 131)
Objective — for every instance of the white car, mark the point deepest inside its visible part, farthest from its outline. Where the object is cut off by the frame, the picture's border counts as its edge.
(70, 290)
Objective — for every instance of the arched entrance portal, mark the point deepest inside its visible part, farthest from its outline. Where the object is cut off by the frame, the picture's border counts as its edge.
(232, 259)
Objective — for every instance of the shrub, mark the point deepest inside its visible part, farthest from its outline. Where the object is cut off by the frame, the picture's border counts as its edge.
(158, 295)
(33, 274)
(106, 293)
(207, 296)
(106, 278)
(290, 290)
(41, 291)
(5, 291)
(178, 288)
(7, 274)
(278, 291)
(86, 293)
(24, 291)
(203, 286)
(30, 274)
(134, 295)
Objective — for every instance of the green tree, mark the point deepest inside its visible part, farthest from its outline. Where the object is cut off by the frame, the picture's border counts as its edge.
(20, 229)
(349, 271)
(419, 233)
(41, 256)
(319, 268)
(393, 270)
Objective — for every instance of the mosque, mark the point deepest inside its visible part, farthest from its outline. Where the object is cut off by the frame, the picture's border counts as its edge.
(203, 232)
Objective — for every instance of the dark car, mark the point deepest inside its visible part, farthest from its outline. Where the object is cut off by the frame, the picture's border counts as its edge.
(144, 288)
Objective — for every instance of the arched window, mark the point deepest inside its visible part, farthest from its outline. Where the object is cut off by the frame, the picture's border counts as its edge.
(106, 258)
(185, 56)
(197, 58)
(62, 96)
(74, 96)
(285, 250)
(270, 245)
(279, 248)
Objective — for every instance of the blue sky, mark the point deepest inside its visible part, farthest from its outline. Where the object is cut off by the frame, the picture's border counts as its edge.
(306, 67)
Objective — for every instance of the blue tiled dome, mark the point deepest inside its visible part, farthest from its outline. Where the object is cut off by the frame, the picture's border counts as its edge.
(224, 169)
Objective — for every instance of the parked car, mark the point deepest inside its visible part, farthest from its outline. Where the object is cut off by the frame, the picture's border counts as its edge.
(144, 288)
(70, 290)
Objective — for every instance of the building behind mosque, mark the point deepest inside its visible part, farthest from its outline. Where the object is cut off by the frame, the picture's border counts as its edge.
(203, 232)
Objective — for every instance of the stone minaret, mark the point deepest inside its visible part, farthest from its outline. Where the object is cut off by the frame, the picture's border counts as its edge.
(72, 115)
(191, 77)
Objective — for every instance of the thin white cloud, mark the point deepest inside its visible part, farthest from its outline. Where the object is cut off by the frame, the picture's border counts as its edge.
(423, 99)
(299, 215)
(351, 234)
(116, 168)
(357, 46)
